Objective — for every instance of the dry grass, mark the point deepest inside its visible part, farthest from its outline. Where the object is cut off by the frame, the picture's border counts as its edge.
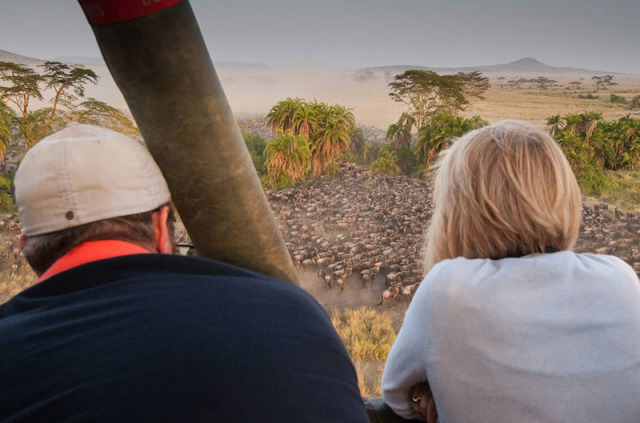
(11, 285)
(369, 377)
(623, 190)
(368, 336)
(367, 333)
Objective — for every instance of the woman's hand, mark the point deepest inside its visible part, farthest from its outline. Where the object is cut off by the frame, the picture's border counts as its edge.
(423, 402)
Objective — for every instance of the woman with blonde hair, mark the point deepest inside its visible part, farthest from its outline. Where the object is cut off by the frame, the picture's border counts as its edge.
(509, 324)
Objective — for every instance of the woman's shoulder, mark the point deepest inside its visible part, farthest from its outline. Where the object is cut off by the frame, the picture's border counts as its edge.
(561, 265)
(568, 258)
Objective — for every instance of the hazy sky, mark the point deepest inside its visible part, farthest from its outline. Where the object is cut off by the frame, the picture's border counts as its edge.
(592, 34)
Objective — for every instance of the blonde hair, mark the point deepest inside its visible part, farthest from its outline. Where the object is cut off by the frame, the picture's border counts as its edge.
(505, 190)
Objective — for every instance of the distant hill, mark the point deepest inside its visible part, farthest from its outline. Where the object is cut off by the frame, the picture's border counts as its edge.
(79, 60)
(524, 66)
(7, 56)
(240, 65)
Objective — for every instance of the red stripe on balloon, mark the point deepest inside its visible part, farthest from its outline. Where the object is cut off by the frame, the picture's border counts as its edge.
(103, 12)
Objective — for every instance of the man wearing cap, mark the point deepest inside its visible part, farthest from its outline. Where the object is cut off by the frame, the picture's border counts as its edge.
(120, 330)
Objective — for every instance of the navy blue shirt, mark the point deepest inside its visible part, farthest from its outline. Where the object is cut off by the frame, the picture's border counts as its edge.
(157, 338)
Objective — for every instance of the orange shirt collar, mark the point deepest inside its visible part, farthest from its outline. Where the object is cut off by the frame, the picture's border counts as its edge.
(92, 251)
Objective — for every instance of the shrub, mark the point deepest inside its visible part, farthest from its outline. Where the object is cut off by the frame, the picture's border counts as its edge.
(616, 99)
(588, 97)
(256, 145)
(350, 157)
(592, 181)
(406, 160)
(387, 163)
(7, 204)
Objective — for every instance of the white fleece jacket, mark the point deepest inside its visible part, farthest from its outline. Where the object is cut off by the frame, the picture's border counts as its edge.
(540, 339)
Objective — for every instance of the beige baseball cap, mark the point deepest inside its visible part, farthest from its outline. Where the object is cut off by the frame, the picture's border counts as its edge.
(83, 174)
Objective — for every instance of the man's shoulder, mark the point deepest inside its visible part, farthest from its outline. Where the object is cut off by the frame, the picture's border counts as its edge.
(163, 270)
(162, 282)
(210, 328)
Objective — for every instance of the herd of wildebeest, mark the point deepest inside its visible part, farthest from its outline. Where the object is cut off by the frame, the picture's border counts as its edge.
(372, 226)
(364, 228)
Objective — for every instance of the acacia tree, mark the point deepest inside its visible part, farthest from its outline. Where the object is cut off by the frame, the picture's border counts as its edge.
(473, 84)
(364, 75)
(427, 93)
(542, 82)
(603, 82)
(94, 112)
(23, 85)
(65, 81)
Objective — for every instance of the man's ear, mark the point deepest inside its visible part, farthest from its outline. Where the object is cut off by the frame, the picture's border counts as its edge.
(23, 241)
(164, 243)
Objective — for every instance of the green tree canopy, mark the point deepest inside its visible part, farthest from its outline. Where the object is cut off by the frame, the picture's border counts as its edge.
(94, 112)
(427, 93)
(326, 127)
(440, 133)
(399, 134)
(21, 84)
(67, 83)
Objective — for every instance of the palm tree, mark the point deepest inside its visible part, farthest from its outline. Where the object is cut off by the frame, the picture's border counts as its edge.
(399, 134)
(343, 116)
(582, 124)
(326, 128)
(305, 120)
(555, 125)
(332, 140)
(287, 155)
(630, 132)
(280, 117)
